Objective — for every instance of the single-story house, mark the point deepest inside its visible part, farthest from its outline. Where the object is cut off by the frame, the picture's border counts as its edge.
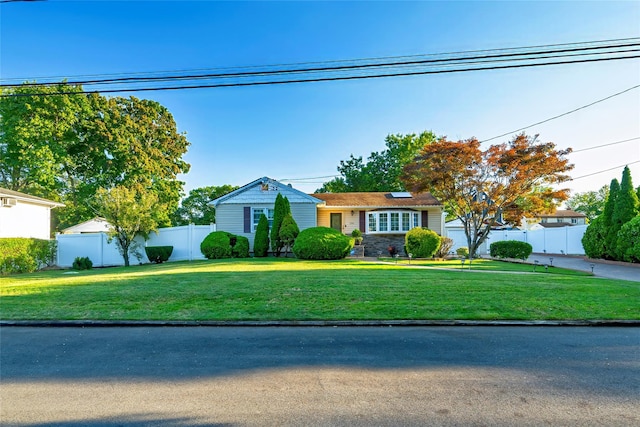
(383, 218)
(562, 218)
(94, 225)
(23, 215)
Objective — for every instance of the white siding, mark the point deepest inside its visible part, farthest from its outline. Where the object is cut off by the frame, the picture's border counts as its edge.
(25, 220)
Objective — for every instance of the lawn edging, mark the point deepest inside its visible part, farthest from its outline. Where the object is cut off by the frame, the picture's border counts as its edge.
(310, 323)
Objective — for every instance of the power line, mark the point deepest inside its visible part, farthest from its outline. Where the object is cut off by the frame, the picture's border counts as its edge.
(605, 170)
(604, 145)
(322, 79)
(562, 115)
(464, 60)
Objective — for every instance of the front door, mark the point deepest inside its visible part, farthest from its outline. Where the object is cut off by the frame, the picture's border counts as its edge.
(336, 221)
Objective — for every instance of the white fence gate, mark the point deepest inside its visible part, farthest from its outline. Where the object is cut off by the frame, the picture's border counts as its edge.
(561, 240)
(185, 241)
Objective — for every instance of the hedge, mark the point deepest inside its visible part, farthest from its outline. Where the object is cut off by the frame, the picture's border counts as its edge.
(220, 244)
(158, 254)
(422, 242)
(25, 255)
(322, 243)
(510, 249)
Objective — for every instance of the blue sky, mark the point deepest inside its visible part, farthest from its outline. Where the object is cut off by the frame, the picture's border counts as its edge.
(304, 130)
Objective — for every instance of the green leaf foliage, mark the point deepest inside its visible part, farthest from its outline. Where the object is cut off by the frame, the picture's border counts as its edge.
(610, 238)
(594, 238)
(510, 249)
(280, 210)
(288, 232)
(158, 254)
(322, 243)
(625, 209)
(220, 244)
(422, 242)
(195, 208)
(629, 241)
(382, 170)
(82, 263)
(261, 241)
(130, 213)
(25, 255)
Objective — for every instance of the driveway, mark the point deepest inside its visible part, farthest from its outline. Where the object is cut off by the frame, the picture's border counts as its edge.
(610, 270)
(234, 376)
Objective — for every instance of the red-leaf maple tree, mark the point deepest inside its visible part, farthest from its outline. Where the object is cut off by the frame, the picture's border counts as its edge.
(505, 181)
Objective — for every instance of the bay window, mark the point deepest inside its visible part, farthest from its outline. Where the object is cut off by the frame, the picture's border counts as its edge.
(392, 221)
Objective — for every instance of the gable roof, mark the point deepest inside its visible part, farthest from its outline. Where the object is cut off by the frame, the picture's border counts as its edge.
(377, 200)
(5, 192)
(93, 225)
(264, 190)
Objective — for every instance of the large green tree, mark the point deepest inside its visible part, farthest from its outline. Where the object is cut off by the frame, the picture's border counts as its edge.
(382, 170)
(66, 147)
(625, 209)
(610, 239)
(130, 214)
(195, 208)
(280, 209)
(590, 203)
(478, 186)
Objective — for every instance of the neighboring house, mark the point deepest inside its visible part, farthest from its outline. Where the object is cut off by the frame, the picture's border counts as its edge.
(562, 218)
(22, 215)
(383, 218)
(94, 225)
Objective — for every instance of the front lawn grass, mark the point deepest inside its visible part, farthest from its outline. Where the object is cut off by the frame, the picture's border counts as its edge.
(290, 289)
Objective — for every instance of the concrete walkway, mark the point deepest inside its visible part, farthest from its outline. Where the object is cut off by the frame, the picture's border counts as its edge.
(601, 268)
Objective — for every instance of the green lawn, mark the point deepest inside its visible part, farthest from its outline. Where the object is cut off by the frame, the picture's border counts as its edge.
(289, 289)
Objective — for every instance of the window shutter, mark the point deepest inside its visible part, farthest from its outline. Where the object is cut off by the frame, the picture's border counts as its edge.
(425, 219)
(363, 222)
(247, 219)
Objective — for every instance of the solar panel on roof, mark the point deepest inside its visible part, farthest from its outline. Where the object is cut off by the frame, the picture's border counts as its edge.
(401, 195)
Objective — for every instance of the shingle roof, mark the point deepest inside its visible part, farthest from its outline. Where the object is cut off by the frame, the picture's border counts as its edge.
(564, 213)
(376, 200)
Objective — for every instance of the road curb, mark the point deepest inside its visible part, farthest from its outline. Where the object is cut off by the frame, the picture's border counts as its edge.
(311, 323)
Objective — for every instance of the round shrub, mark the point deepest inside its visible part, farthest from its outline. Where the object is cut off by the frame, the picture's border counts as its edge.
(241, 247)
(510, 249)
(322, 243)
(158, 254)
(422, 242)
(462, 251)
(629, 241)
(216, 245)
(593, 240)
(82, 263)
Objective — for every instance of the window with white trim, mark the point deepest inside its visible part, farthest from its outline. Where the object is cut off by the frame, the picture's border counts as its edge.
(257, 213)
(392, 221)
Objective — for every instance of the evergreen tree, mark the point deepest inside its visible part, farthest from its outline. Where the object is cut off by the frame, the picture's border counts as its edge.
(610, 239)
(625, 209)
(261, 242)
(279, 212)
(288, 232)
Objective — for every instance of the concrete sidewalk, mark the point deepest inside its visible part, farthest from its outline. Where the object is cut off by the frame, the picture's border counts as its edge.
(601, 268)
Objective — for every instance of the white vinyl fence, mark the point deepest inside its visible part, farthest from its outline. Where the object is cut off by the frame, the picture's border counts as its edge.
(561, 240)
(185, 241)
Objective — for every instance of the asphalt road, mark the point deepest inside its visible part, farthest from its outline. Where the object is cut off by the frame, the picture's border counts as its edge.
(307, 376)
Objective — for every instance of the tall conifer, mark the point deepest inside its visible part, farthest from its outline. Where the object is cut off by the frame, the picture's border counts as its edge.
(625, 209)
(607, 218)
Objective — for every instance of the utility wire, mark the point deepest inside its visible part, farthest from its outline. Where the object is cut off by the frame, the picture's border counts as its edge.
(317, 63)
(604, 145)
(605, 170)
(324, 79)
(562, 115)
(465, 60)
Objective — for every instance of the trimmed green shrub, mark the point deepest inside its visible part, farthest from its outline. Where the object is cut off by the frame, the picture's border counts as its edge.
(158, 254)
(216, 245)
(288, 232)
(239, 249)
(421, 242)
(25, 255)
(322, 243)
(357, 236)
(220, 244)
(629, 241)
(593, 240)
(510, 249)
(82, 263)
(462, 251)
(261, 241)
